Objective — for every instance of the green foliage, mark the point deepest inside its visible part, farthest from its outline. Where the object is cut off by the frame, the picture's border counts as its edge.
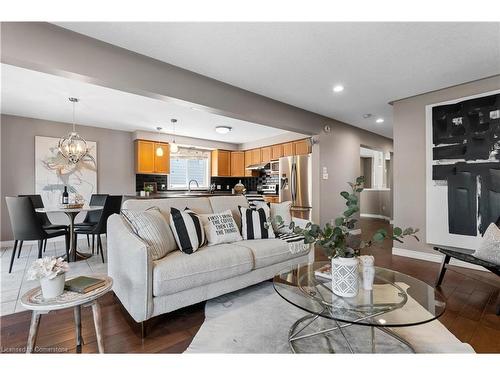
(333, 238)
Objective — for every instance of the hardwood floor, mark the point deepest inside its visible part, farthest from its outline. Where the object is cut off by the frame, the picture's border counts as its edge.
(470, 315)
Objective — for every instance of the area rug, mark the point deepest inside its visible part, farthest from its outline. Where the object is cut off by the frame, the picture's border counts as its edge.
(257, 320)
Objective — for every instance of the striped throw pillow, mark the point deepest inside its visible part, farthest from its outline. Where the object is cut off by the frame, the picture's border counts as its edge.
(253, 199)
(188, 230)
(151, 227)
(254, 223)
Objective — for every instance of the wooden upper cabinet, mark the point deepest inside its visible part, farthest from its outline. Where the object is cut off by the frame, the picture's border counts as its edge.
(148, 161)
(288, 149)
(221, 163)
(162, 162)
(237, 163)
(255, 156)
(265, 154)
(276, 152)
(302, 147)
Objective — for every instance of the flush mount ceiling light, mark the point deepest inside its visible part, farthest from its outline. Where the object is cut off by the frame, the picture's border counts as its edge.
(73, 147)
(223, 129)
(338, 88)
(379, 120)
(159, 149)
(173, 146)
(367, 115)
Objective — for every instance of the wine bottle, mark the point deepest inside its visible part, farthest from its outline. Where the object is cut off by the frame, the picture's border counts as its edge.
(65, 196)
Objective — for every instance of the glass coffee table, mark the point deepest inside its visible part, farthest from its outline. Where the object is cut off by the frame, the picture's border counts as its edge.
(397, 300)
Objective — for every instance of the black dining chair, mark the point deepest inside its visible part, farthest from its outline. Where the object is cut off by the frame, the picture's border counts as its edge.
(111, 206)
(26, 226)
(92, 217)
(37, 201)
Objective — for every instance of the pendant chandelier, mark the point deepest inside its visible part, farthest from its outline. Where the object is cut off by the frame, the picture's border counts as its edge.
(159, 149)
(73, 147)
(173, 147)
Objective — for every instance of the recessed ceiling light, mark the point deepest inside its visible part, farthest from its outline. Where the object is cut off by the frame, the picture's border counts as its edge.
(223, 129)
(338, 88)
(379, 120)
(367, 115)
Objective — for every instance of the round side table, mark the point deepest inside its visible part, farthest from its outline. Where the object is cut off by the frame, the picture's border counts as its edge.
(33, 300)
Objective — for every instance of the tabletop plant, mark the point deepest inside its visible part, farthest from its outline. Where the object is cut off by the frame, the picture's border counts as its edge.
(334, 237)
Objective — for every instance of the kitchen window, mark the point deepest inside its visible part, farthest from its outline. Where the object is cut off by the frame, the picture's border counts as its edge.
(189, 164)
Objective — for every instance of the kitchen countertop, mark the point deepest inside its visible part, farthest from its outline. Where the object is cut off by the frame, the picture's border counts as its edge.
(183, 194)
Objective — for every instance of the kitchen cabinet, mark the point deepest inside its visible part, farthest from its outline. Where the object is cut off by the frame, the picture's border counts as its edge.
(146, 159)
(288, 149)
(248, 161)
(276, 152)
(237, 164)
(255, 156)
(221, 163)
(302, 147)
(265, 154)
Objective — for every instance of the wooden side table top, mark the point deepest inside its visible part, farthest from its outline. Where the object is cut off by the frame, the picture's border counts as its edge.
(33, 299)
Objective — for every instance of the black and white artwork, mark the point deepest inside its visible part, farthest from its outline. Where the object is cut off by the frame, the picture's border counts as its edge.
(463, 169)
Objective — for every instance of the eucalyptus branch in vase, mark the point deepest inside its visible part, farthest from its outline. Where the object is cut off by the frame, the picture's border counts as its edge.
(334, 237)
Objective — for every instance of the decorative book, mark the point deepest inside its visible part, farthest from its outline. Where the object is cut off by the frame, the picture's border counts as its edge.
(325, 271)
(83, 284)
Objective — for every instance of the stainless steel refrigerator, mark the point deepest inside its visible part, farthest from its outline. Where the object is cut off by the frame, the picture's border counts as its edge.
(296, 184)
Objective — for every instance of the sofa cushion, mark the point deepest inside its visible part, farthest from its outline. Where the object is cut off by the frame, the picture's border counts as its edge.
(200, 205)
(269, 251)
(178, 271)
(223, 203)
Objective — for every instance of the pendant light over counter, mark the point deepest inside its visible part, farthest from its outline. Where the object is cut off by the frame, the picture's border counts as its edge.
(73, 147)
(173, 146)
(159, 149)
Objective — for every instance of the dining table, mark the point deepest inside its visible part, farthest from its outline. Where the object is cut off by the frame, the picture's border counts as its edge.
(71, 213)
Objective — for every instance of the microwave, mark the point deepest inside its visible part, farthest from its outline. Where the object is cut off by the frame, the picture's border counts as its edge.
(275, 167)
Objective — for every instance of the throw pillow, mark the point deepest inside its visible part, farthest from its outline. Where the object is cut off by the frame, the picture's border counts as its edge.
(254, 223)
(151, 227)
(220, 228)
(280, 209)
(489, 249)
(188, 230)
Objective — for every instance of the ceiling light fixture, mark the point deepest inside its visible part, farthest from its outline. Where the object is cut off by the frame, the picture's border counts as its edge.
(338, 88)
(223, 129)
(159, 149)
(379, 120)
(367, 115)
(173, 146)
(73, 147)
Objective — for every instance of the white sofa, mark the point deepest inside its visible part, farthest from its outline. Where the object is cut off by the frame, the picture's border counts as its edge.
(149, 288)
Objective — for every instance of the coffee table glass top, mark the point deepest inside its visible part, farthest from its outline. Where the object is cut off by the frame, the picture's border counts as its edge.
(396, 299)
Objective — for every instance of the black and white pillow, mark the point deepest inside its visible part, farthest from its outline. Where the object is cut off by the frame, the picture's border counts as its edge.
(253, 199)
(188, 230)
(254, 223)
(220, 228)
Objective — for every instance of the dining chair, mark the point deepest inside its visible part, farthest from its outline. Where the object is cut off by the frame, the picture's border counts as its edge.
(92, 217)
(37, 201)
(26, 226)
(111, 206)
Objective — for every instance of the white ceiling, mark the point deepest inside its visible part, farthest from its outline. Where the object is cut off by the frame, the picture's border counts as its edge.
(44, 96)
(298, 63)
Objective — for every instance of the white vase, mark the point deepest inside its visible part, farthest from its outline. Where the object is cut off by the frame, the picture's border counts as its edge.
(345, 276)
(51, 288)
(367, 270)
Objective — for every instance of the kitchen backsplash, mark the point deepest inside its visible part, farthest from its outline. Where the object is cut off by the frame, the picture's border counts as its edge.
(140, 179)
(249, 182)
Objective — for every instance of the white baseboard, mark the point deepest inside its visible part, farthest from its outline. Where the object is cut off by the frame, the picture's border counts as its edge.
(434, 257)
(375, 216)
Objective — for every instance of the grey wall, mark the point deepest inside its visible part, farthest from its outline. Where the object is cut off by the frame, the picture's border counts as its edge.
(409, 155)
(115, 158)
(376, 202)
(339, 152)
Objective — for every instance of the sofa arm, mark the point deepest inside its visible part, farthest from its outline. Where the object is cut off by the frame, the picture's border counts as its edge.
(130, 266)
(301, 223)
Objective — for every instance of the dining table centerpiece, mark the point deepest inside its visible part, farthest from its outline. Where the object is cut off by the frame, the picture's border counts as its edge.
(51, 272)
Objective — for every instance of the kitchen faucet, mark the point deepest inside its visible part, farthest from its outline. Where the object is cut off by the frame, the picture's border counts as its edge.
(189, 185)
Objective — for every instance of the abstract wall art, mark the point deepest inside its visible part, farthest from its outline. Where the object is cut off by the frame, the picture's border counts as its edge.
(53, 172)
(463, 169)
